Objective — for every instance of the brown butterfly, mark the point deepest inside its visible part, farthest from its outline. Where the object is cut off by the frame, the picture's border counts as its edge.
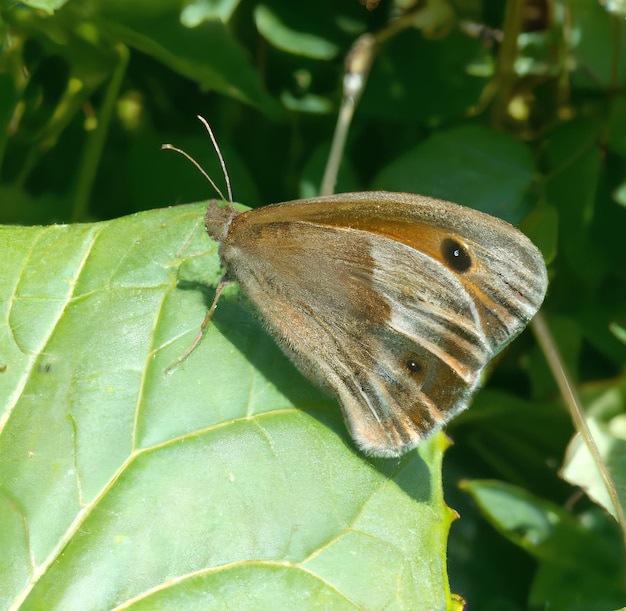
(395, 302)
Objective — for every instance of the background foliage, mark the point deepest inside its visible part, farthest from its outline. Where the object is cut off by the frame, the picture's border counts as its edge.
(517, 109)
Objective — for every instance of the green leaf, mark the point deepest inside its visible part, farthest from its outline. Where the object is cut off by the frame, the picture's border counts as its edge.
(471, 165)
(317, 30)
(580, 560)
(426, 82)
(287, 39)
(580, 469)
(229, 482)
(520, 439)
(197, 11)
(45, 5)
(207, 53)
(595, 62)
(574, 160)
(541, 226)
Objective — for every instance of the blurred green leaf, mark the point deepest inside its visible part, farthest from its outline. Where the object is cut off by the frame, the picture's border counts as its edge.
(455, 165)
(420, 81)
(580, 468)
(207, 53)
(596, 65)
(45, 5)
(522, 440)
(541, 226)
(580, 562)
(575, 164)
(617, 142)
(283, 37)
(197, 11)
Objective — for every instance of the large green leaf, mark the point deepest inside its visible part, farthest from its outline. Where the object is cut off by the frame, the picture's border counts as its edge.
(230, 479)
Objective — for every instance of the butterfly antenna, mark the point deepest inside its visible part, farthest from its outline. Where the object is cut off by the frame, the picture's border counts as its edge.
(219, 154)
(171, 147)
(224, 281)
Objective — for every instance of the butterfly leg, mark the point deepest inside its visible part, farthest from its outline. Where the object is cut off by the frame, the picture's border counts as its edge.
(207, 319)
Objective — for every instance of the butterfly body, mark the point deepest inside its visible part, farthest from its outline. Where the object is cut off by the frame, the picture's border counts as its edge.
(395, 302)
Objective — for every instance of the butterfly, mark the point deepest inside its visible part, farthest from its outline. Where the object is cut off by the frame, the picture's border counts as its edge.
(394, 302)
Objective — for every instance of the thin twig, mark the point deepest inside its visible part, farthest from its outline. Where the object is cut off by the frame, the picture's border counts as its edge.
(357, 67)
(574, 406)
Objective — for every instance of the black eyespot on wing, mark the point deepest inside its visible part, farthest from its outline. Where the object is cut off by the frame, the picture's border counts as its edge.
(456, 255)
(414, 366)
